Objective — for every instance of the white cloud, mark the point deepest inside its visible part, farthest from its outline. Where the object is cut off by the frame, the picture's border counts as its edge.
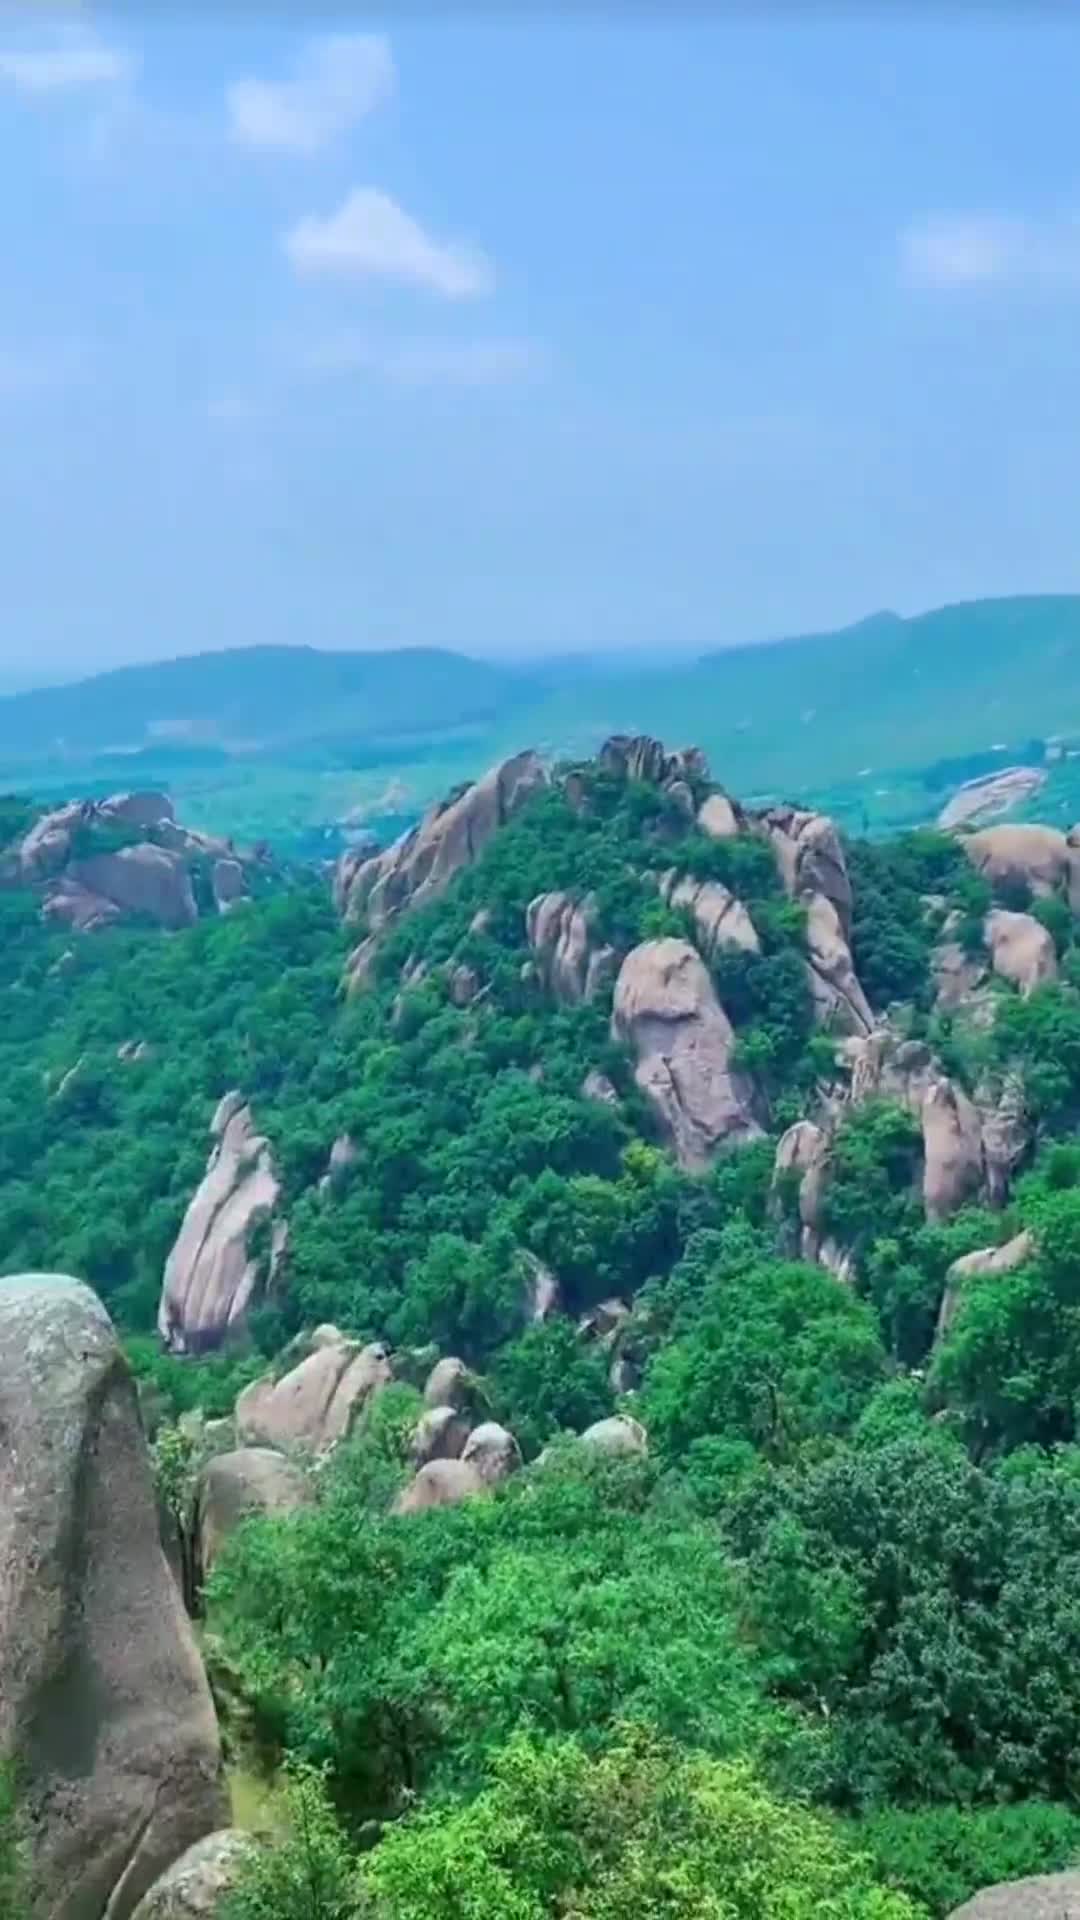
(467, 363)
(971, 250)
(371, 237)
(71, 63)
(339, 79)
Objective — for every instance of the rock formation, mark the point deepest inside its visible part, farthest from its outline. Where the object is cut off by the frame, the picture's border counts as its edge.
(840, 1005)
(99, 861)
(315, 1403)
(1021, 949)
(439, 1434)
(449, 1384)
(1039, 858)
(104, 1706)
(952, 1149)
(802, 1159)
(639, 757)
(810, 857)
(423, 861)
(666, 1011)
(573, 965)
(720, 817)
(195, 1887)
(211, 1274)
(619, 1435)
(236, 1484)
(442, 1483)
(1050, 1896)
(492, 1452)
(988, 1261)
(720, 920)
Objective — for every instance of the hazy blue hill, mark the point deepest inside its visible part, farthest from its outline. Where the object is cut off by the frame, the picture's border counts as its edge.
(886, 693)
(264, 696)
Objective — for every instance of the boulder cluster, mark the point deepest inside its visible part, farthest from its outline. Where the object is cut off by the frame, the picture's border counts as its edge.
(97, 862)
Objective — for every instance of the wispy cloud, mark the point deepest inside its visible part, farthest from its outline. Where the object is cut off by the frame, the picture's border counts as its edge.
(68, 62)
(462, 363)
(972, 250)
(371, 237)
(338, 80)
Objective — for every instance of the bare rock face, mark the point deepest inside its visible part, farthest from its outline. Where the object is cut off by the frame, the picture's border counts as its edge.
(104, 1705)
(952, 1145)
(721, 817)
(1007, 1133)
(572, 963)
(1050, 1896)
(840, 1004)
(423, 861)
(1040, 858)
(640, 757)
(230, 885)
(315, 1404)
(720, 920)
(195, 1887)
(989, 1261)
(439, 1434)
(493, 1453)
(210, 1275)
(543, 1293)
(618, 1435)
(442, 1483)
(597, 1086)
(810, 858)
(1021, 949)
(143, 881)
(958, 975)
(245, 1481)
(449, 1384)
(802, 1154)
(666, 1010)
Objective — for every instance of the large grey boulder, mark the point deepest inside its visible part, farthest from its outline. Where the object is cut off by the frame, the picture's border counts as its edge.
(619, 1435)
(572, 963)
(210, 1275)
(953, 1166)
(449, 1384)
(439, 1434)
(667, 1012)
(720, 920)
(802, 1156)
(195, 1887)
(145, 881)
(1021, 949)
(423, 861)
(840, 1004)
(104, 1705)
(315, 1403)
(236, 1484)
(442, 1483)
(492, 1452)
(1050, 1896)
(986, 1263)
(810, 857)
(1040, 858)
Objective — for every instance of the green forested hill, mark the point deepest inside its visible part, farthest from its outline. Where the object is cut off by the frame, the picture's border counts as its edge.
(816, 1651)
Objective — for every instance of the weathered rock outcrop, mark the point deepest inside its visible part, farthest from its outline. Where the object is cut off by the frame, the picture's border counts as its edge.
(572, 963)
(810, 857)
(195, 1887)
(619, 1435)
(720, 920)
(989, 1262)
(639, 757)
(1050, 1896)
(1021, 949)
(721, 817)
(234, 1485)
(989, 795)
(958, 976)
(315, 1403)
(442, 1483)
(449, 1384)
(802, 1159)
(839, 1001)
(439, 1434)
(211, 1274)
(666, 1010)
(423, 861)
(492, 1452)
(103, 1701)
(952, 1149)
(1039, 858)
(99, 861)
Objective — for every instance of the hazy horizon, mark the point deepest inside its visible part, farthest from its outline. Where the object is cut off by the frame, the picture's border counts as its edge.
(570, 336)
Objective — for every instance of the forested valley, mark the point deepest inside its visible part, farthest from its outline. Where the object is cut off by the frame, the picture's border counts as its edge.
(798, 1634)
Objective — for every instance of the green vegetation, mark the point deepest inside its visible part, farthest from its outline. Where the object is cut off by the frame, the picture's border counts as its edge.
(815, 1654)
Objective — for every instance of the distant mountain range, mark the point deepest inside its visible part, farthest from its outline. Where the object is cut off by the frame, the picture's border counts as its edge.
(885, 694)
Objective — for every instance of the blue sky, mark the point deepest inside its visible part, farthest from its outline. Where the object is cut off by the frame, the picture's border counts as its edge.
(633, 329)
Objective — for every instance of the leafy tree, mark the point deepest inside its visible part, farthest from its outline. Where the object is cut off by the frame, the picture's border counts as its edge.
(308, 1873)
